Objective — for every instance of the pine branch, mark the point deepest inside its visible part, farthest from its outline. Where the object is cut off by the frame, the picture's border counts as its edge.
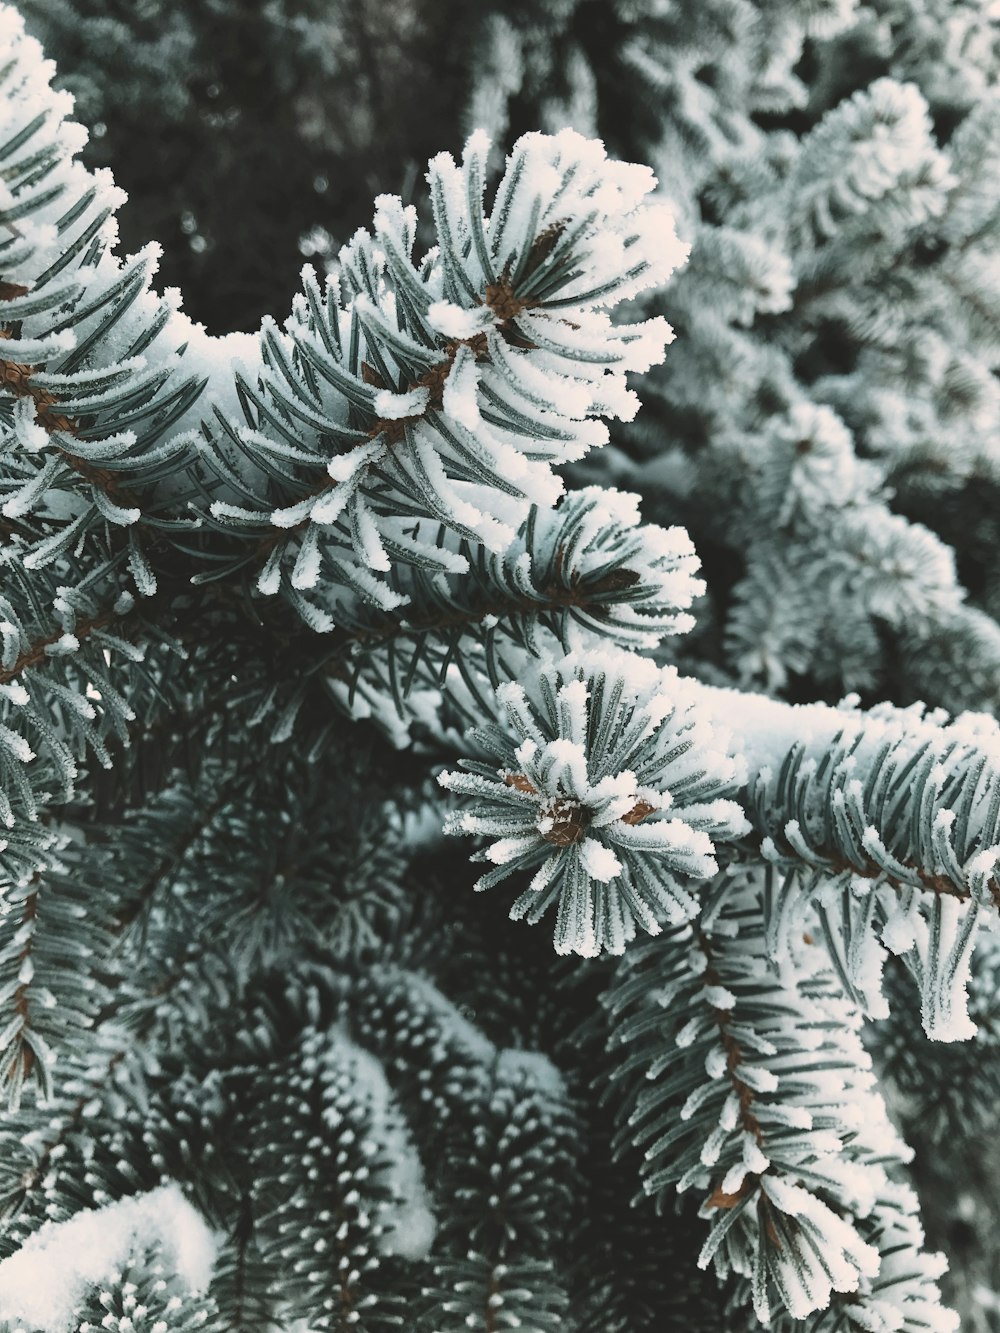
(52, 1147)
(584, 571)
(888, 820)
(412, 392)
(90, 358)
(600, 778)
(769, 1112)
(73, 674)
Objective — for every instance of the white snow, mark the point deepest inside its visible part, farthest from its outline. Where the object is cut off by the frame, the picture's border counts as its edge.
(43, 1283)
(535, 1068)
(765, 729)
(408, 1219)
(398, 406)
(453, 321)
(599, 861)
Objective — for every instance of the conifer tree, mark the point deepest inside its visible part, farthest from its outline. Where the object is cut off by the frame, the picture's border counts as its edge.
(285, 616)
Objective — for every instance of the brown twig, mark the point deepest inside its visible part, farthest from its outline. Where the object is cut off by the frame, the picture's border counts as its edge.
(16, 378)
(36, 653)
(719, 1198)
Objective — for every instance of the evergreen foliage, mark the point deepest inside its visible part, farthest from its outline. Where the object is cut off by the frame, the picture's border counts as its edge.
(268, 1061)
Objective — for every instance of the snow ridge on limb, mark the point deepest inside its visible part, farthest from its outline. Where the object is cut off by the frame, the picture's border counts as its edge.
(888, 823)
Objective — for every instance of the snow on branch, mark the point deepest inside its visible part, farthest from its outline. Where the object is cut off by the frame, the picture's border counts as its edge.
(44, 1282)
(95, 389)
(889, 822)
(869, 170)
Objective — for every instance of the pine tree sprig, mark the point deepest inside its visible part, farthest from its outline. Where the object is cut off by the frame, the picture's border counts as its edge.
(602, 781)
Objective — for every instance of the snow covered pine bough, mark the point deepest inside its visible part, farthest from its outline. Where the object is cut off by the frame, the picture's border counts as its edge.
(269, 1063)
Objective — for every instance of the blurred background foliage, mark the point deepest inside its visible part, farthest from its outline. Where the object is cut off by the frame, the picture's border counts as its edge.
(251, 135)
